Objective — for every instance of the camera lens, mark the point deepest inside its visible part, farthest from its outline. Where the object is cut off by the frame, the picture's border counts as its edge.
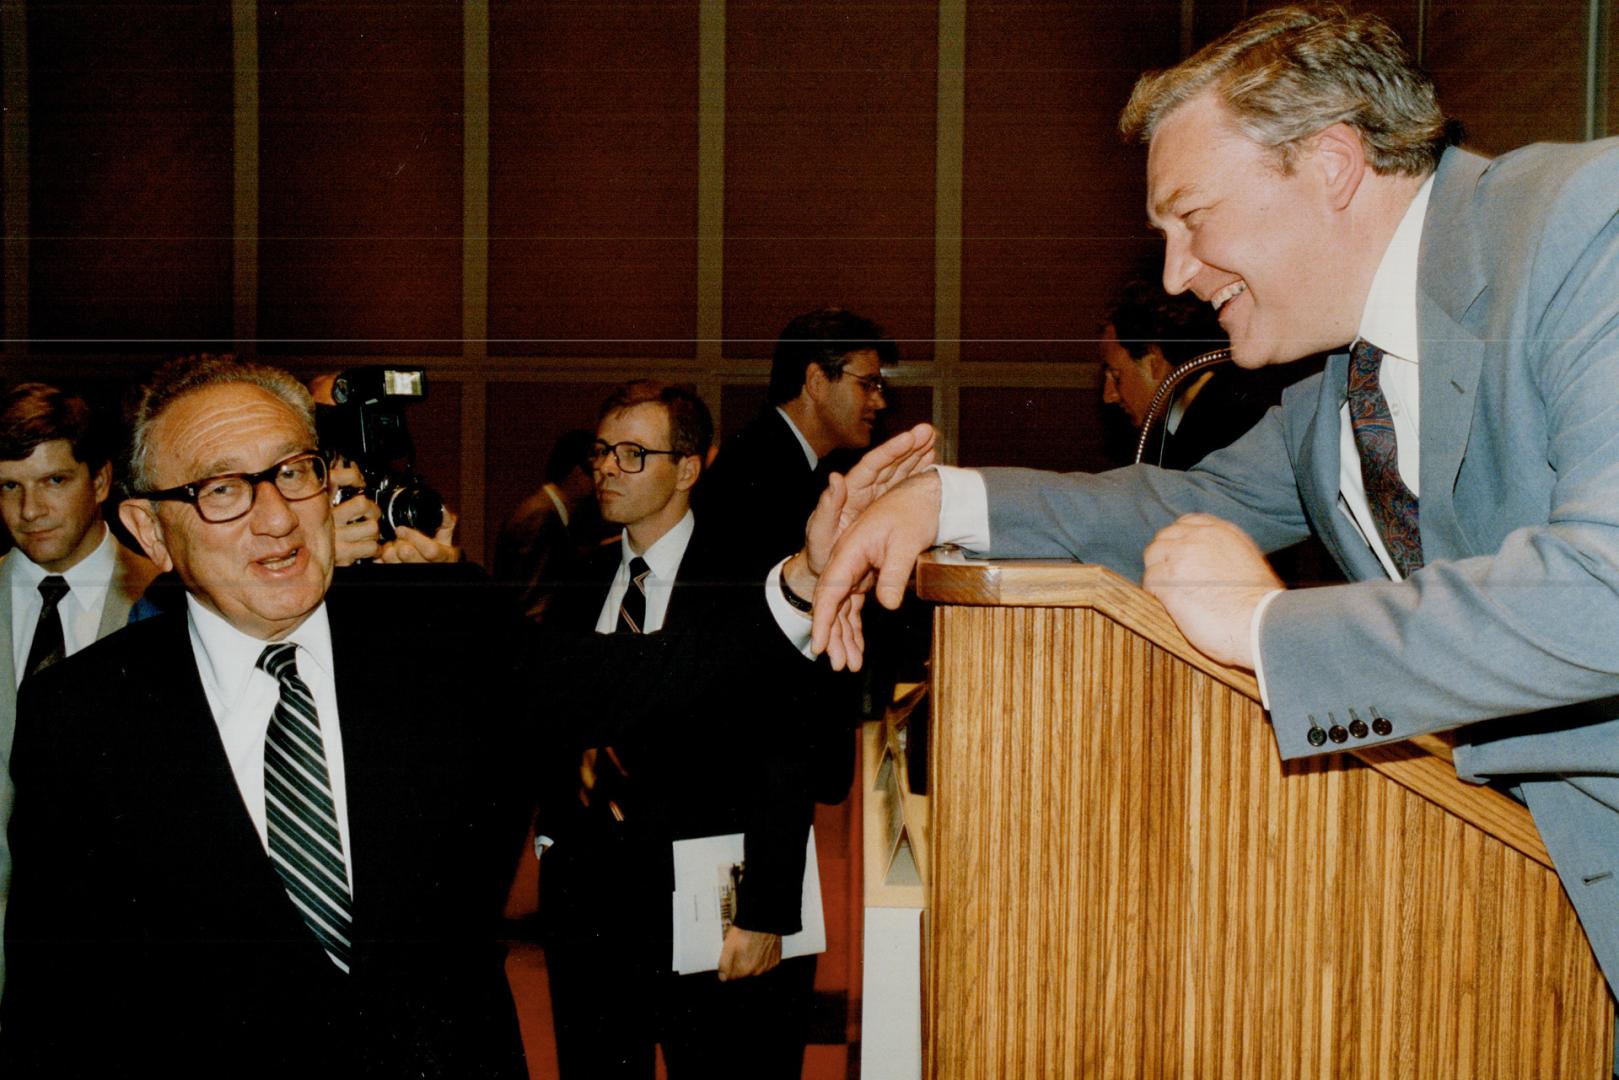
(410, 504)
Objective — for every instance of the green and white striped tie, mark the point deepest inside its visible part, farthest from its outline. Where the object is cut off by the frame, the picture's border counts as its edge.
(305, 845)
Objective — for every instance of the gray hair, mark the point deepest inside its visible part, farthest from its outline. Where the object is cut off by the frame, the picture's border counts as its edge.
(1291, 72)
(190, 374)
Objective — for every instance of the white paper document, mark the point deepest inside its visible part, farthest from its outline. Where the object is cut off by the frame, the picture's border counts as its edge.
(706, 870)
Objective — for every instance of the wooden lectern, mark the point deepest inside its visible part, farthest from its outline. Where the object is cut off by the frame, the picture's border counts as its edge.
(1127, 881)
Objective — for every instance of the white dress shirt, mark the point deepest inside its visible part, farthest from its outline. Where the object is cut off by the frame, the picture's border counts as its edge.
(80, 610)
(810, 455)
(243, 697)
(663, 558)
(555, 496)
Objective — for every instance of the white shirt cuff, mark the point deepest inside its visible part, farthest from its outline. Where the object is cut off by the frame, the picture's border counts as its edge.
(794, 623)
(963, 508)
(1253, 644)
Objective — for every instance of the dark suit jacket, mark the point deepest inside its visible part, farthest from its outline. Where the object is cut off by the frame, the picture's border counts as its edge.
(760, 493)
(1230, 403)
(535, 550)
(710, 717)
(149, 934)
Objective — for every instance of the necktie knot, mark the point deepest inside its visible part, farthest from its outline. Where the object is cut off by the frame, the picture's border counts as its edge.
(52, 589)
(632, 609)
(280, 660)
(1365, 361)
(50, 645)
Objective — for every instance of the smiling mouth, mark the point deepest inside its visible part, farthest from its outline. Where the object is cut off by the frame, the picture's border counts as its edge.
(281, 562)
(1228, 294)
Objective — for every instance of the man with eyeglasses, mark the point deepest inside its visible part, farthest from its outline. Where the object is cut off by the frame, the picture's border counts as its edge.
(701, 734)
(269, 829)
(826, 390)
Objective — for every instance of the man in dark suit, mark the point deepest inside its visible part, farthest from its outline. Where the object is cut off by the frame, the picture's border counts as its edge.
(702, 736)
(1148, 335)
(265, 833)
(826, 389)
(68, 582)
(551, 531)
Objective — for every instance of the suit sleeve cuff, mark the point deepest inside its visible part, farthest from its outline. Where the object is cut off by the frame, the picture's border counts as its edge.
(963, 508)
(1253, 645)
(793, 623)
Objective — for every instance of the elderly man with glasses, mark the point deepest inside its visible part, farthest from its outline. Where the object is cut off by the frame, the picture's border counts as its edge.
(267, 828)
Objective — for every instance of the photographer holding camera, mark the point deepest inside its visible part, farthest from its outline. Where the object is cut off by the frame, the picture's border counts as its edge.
(359, 412)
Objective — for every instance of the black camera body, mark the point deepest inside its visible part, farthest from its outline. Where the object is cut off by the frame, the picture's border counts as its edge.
(367, 426)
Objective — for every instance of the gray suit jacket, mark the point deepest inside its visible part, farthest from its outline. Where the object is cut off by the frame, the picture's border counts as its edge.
(1515, 618)
(131, 574)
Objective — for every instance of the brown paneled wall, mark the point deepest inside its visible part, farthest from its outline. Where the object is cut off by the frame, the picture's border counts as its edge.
(829, 166)
(592, 180)
(360, 178)
(320, 182)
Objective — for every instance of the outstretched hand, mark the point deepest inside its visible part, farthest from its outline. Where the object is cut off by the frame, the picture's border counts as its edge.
(847, 497)
(881, 548)
(840, 505)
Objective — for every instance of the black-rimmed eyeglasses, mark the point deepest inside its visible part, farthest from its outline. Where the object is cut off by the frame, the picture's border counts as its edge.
(873, 384)
(631, 456)
(226, 497)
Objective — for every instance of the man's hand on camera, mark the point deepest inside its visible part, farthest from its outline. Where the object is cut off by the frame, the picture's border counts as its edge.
(354, 519)
(414, 546)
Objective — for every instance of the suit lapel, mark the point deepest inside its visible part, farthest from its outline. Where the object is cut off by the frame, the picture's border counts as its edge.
(362, 704)
(1450, 282)
(130, 575)
(1320, 464)
(8, 663)
(192, 805)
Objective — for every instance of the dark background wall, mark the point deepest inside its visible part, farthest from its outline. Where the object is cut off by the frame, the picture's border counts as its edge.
(538, 200)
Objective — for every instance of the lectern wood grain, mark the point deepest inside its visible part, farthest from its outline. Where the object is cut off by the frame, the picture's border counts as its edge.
(1127, 881)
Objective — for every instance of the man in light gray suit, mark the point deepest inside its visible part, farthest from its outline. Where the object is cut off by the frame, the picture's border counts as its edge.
(1460, 460)
(68, 582)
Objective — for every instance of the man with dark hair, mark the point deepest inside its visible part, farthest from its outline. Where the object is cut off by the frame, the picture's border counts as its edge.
(1148, 335)
(826, 389)
(67, 582)
(548, 534)
(700, 734)
(1301, 172)
(273, 826)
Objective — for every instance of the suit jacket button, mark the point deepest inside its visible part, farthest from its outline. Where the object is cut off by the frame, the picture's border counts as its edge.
(1316, 736)
(1357, 728)
(1382, 726)
(1337, 733)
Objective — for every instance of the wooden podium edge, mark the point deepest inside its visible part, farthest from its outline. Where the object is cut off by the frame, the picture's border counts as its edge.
(1421, 766)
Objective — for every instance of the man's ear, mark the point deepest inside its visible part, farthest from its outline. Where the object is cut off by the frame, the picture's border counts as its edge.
(1158, 365)
(687, 471)
(1339, 156)
(816, 382)
(101, 480)
(140, 518)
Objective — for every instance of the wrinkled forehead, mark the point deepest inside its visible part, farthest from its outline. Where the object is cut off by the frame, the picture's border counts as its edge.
(231, 427)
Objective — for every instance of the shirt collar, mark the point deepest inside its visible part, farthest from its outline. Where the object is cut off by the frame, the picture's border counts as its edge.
(1390, 318)
(87, 579)
(229, 656)
(666, 552)
(810, 455)
(555, 496)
